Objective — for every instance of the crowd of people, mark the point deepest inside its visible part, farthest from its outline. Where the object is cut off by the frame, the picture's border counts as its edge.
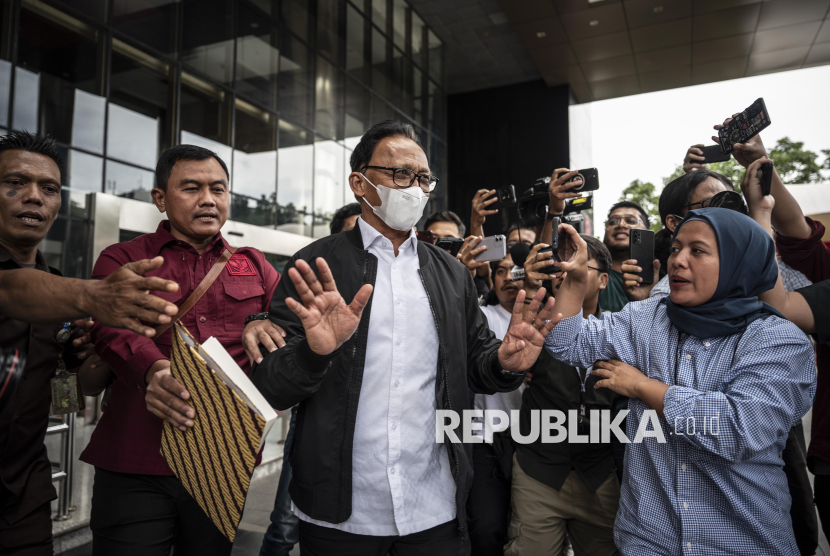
(370, 333)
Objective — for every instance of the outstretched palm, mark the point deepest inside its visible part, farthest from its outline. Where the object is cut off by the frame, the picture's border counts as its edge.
(526, 334)
(327, 320)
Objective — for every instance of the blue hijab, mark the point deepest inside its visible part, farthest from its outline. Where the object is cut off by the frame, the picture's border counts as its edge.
(747, 268)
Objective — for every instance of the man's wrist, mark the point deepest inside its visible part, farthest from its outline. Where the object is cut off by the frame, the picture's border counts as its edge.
(90, 290)
(160, 365)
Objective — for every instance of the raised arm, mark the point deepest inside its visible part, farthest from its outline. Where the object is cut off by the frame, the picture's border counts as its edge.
(42, 298)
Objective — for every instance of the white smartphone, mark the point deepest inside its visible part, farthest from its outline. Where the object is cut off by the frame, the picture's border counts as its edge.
(496, 249)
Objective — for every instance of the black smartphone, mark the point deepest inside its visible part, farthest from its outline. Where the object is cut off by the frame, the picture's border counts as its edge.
(744, 126)
(426, 236)
(713, 153)
(590, 180)
(765, 175)
(641, 248)
(507, 197)
(451, 245)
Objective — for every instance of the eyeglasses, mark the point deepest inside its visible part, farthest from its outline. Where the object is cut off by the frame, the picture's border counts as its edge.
(631, 221)
(404, 178)
(725, 199)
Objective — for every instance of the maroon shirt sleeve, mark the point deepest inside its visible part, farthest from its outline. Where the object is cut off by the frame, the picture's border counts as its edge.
(809, 255)
(128, 354)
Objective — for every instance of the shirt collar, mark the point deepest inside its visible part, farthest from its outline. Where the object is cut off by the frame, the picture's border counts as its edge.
(163, 237)
(40, 260)
(371, 236)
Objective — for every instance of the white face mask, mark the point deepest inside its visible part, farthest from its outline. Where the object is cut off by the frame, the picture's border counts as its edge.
(399, 208)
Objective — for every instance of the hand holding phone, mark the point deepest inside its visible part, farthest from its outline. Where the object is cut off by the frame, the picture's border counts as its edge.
(713, 153)
(744, 126)
(641, 249)
(765, 177)
(451, 245)
(496, 249)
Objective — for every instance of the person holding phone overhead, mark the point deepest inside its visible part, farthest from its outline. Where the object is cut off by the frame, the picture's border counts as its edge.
(709, 350)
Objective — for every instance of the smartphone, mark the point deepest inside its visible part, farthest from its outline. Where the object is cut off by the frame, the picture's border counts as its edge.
(713, 153)
(426, 236)
(590, 180)
(496, 249)
(744, 126)
(553, 268)
(507, 198)
(641, 248)
(765, 175)
(451, 245)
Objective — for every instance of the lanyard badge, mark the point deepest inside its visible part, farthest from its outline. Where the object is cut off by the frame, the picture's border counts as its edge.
(66, 390)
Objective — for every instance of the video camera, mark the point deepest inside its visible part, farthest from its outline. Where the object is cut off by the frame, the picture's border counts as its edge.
(532, 206)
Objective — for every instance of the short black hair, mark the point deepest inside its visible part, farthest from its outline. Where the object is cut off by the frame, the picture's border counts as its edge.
(518, 228)
(32, 143)
(446, 216)
(678, 192)
(631, 204)
(598, 251)
(362, 154)
(169, 157)
(340, 216)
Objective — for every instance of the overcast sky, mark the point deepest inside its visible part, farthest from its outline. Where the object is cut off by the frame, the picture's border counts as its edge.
(646, 136)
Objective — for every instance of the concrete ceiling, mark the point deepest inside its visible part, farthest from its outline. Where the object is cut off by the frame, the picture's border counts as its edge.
(612, 48)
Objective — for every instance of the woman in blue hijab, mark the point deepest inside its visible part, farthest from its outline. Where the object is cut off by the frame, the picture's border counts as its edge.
(716, 377)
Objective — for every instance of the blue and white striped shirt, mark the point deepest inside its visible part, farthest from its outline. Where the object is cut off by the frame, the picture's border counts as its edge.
(703, 494)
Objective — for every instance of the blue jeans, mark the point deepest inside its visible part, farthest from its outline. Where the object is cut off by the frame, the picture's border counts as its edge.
(283, 533)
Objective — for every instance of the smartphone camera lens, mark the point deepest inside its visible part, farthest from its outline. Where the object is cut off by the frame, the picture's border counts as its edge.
(635, 238)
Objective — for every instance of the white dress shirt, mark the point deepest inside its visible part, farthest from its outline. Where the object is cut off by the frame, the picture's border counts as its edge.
(498, 319)
(402, 482)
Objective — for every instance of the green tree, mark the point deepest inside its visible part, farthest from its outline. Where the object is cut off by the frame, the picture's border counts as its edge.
(678, 171)
(644, 194)
(795, 164)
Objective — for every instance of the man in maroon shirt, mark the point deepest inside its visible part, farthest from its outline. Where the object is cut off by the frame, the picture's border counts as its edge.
(138, 506)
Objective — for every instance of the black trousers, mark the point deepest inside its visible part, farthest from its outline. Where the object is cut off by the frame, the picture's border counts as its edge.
(148, 515)
(30, 536)
(802, 511)
(442, 540)
(488, 506)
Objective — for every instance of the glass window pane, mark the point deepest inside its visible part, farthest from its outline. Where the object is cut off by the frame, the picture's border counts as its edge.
(417, 39)
(26, 93)
(380, 69)
(267, 6)
(297, 17)
(357, 109)
(437, 156)
(381, 110)
(152, 22)
(139, 86)
(205, 116)
(257, 57)
(329, 39)
(295, 179)
(296, 81)
(132, 137)
(129, 181)
(436, 58)
(418, 96)
(399, 9)
(64, 52)
(207, 38)
(5, 89)
(379, 14)
(328, 116)
(355, 43)
(96, 9)
(328, 183)
(436, 109)
(401, 82)
(85, 171)
(255, 164)
(88, 116)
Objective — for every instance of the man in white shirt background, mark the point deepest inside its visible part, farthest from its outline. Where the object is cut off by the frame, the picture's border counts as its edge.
(369, 478)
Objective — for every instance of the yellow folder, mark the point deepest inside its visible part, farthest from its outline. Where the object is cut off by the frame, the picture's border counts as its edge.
(215, 458)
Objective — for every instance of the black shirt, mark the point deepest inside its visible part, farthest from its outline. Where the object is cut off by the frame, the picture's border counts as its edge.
(818, 298)
(25, 472)
(556, 385)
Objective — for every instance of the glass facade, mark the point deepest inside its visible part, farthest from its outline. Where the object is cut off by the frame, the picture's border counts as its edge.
(282, 90)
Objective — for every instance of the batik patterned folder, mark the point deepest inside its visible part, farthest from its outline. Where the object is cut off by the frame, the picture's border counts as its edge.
(215, 458)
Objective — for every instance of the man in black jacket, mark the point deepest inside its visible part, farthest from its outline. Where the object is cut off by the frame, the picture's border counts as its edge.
(369, 476)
